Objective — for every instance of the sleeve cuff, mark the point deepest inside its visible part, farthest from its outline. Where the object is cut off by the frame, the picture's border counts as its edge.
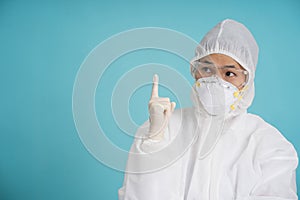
(149, 145)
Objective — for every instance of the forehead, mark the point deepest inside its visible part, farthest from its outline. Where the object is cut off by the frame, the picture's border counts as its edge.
(221, 60)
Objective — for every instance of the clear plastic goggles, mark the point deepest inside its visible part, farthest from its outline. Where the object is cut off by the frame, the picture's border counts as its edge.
(229, 73)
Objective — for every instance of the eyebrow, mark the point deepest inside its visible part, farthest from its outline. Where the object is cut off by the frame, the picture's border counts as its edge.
(229, 66)
(206, 62)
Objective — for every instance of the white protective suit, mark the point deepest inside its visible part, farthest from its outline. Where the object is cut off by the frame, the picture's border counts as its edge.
(236, 156)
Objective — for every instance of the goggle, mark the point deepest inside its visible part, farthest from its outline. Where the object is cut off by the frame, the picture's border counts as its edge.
(228, 73)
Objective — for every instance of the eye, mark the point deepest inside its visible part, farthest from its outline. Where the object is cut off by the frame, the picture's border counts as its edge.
(205, 70)
(230, 74)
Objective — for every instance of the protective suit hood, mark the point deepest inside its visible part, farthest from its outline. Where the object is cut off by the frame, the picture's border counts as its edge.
(233, 39)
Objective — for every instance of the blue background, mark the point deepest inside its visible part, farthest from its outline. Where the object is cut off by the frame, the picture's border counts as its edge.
(42, 46)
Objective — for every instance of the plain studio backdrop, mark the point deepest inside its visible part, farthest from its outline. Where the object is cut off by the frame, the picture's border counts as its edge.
(44, 43)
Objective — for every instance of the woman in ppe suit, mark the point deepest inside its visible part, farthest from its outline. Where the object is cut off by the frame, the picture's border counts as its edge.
(215, 150)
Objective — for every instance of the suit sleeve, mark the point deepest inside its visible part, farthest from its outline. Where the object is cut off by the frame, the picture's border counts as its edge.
(147, 186)
(277, 161)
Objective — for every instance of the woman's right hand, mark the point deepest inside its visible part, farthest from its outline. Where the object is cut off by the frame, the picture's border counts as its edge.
(160, 110)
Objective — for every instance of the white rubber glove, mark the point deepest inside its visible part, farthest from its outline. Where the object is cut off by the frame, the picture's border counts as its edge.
(160, 110)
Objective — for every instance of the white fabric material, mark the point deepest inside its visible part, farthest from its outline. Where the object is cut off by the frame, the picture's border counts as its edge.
(239, 156)
(252, 160)
(216, 95)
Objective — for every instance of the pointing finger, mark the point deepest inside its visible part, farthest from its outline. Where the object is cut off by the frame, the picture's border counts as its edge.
(155, 86)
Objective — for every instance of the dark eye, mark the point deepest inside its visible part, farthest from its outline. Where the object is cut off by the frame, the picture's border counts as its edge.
(206, 69)
(230, 74)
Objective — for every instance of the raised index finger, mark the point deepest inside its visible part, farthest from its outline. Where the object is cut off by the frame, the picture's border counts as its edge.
(155, 86)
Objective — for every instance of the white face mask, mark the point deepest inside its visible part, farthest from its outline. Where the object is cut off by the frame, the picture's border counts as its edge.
(217, 96)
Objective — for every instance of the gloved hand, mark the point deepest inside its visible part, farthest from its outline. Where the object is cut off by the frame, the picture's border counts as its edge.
(160, 110)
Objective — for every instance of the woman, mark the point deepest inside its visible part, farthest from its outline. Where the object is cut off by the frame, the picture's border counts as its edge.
(216, 149)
